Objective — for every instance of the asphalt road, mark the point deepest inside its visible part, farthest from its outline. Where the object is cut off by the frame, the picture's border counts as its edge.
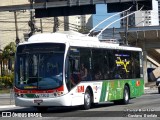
(144, 107)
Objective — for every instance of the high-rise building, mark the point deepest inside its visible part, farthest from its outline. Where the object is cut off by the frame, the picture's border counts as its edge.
(159, 10)
(143, 18)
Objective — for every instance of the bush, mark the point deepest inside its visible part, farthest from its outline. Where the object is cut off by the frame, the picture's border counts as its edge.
(6, 81)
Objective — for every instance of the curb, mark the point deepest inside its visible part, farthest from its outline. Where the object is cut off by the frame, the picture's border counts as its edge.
(150, 90)
(7, 106)
(146, 88)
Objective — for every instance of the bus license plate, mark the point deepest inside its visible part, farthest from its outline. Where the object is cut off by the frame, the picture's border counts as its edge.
(38, 101)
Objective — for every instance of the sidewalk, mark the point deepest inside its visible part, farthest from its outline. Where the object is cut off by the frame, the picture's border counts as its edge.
(6, 96)
(148, 90)
(6, 99)
(150, 87)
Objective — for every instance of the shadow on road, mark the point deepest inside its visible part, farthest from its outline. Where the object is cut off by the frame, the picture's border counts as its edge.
(60, 109)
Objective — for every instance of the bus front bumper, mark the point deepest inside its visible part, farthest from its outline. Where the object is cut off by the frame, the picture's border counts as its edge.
(57, 101)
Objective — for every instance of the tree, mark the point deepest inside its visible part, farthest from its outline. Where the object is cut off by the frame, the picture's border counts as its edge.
(8, 57)
(83, 30)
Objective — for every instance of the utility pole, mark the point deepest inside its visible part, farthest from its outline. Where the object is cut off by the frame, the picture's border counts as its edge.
(31, 23)
(16, 27)
(113, 32)
(126, 30)
(56, 24)
(41, 25)
(66, 23)
(136, 6)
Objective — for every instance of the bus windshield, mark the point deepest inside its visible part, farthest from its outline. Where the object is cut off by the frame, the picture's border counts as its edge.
(39, 66)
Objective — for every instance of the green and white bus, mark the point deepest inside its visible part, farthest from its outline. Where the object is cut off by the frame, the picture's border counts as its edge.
(49, 72)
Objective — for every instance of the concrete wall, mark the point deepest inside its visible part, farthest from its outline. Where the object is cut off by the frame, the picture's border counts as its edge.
(7, 26)
(13, 2)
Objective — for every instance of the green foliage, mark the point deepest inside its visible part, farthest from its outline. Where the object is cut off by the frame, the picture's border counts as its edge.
(7, 76)
(6, 81)
(7, 59)
(83, 30)
(8, 50)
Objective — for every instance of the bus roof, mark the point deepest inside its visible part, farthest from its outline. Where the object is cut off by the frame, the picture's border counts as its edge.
(75, 39)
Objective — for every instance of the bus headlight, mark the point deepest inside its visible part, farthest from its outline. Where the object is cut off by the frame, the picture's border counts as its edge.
(57, 94)
(17, 94)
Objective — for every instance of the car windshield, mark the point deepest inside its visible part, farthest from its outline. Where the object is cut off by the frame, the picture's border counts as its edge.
(39, 66)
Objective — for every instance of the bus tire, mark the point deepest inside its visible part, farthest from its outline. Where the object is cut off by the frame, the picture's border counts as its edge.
(87, 99)
(159, 90)
(125, 99)
(42, 109)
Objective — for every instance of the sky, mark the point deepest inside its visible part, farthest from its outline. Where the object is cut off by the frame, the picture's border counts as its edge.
(101, 14)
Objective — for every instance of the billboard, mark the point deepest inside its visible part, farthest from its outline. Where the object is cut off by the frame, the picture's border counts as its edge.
(65, 11)
(121, 6)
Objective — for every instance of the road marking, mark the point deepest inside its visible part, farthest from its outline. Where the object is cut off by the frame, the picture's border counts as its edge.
(7, 106)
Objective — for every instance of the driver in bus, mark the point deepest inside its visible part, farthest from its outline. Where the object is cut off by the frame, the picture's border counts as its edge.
(84, 72)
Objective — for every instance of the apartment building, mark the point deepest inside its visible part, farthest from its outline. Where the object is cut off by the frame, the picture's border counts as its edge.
(75, 23)
(159, 10)
(143, 18)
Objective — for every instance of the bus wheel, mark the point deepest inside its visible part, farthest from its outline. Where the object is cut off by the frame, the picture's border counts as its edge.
(42, 109)
(125, 99)
(87, 99)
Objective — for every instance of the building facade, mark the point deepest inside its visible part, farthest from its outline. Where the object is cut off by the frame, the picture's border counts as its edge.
(76, 22)
(159, 10)
(8, 29)
(143, 18)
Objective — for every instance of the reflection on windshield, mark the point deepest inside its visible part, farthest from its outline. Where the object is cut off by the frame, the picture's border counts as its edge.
(39, 70)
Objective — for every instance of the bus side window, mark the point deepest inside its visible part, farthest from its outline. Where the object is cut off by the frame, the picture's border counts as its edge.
(106, 65)
(97, 64)
(111, 64)
(85, 61)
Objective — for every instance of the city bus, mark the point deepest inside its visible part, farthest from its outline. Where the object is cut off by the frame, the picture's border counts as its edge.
(72, 69)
